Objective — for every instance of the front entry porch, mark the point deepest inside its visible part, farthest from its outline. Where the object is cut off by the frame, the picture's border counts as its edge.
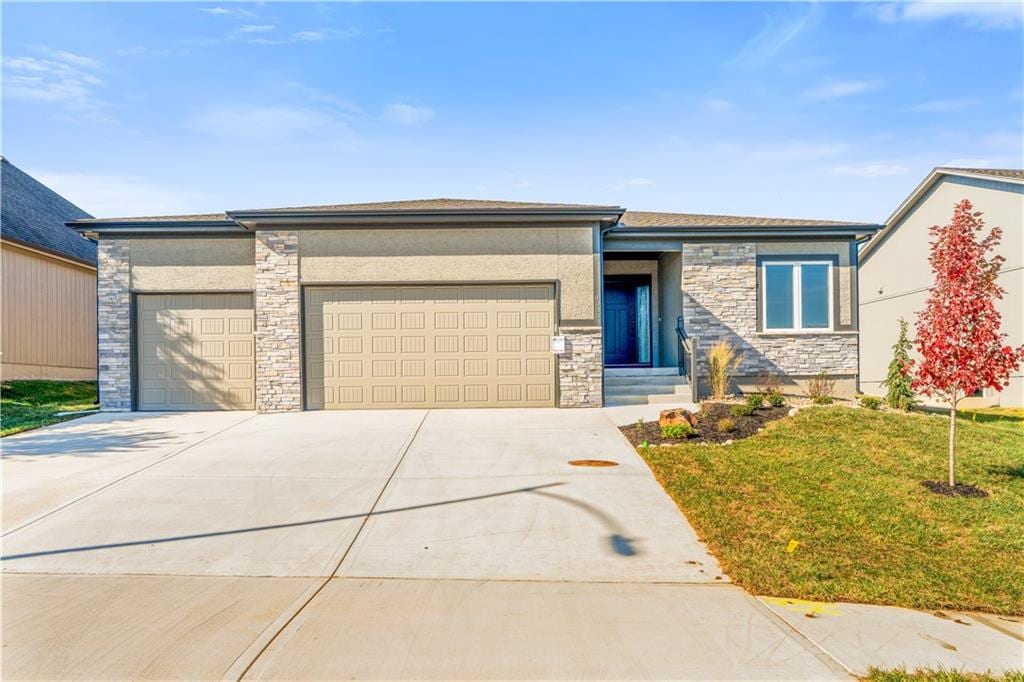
(642, 303)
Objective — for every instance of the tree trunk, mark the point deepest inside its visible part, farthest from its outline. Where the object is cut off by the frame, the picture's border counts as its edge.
(952, 439)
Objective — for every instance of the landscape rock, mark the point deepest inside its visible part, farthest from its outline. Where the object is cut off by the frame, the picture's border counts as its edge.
(677, 415)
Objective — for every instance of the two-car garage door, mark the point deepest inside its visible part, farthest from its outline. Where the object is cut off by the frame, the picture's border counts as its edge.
(365, 347)
(429, 346)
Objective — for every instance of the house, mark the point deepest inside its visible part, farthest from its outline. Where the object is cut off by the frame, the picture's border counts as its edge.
(463, 303)
(48, 294)
(895, 275)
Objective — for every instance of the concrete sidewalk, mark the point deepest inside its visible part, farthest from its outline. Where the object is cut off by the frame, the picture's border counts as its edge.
(861, 636)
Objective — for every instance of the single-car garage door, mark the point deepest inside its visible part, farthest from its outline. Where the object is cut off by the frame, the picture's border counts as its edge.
(196, 352)
(429, 346)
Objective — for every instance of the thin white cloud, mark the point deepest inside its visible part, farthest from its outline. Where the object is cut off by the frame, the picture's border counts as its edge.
(65, 78)
(123, 195)
(836, 89)
(407, 114)
(256, 28)
(718, 104)
(312, 36)
(640, 182)
(226, 11)
(870, 171)
(780, 29)
(634, 183)
(979, 15)
(71, 58)
(142, 51)
(265, 123)
(939, 106)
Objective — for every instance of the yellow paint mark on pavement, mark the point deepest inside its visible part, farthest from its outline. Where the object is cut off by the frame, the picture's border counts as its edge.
(811, 609)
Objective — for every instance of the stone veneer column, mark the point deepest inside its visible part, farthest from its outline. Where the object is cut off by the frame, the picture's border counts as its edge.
(581, 369)
(113, 325)
(278, 323)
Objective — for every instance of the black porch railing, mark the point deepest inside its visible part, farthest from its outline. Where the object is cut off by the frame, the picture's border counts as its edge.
(687, 356)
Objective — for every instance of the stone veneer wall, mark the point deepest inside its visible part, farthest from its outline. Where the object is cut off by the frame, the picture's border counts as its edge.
(581, 369)
(278, 323)
(113, 324)
(720, 302)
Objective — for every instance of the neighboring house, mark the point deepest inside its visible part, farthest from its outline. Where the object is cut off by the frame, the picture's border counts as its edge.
(463, 303)
(895, 275)
(49, 283)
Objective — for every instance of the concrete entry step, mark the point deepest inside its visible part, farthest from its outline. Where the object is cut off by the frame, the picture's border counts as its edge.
(640, 371)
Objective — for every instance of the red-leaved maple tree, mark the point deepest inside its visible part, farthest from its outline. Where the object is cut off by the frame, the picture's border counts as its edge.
(958, 337)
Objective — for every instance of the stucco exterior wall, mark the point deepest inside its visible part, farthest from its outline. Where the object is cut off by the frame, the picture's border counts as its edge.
(193, 264)
(566, 255)
(895, 276)
(670, 305)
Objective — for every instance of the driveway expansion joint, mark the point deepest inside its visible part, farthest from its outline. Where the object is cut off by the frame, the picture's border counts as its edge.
(275, 629)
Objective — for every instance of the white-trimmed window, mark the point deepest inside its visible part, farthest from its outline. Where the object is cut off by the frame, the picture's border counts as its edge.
(797, 296)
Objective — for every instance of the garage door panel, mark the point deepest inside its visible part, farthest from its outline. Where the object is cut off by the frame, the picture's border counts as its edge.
(196, 352)
(415, 346)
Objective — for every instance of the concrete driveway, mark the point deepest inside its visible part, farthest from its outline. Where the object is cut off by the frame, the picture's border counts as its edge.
(406, 544)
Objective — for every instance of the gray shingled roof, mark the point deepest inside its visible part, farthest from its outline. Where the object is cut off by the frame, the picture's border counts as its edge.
(32, 213)
(410, 205)
(1010, 173)
(442, 204)
(653, 219)
(629, 219)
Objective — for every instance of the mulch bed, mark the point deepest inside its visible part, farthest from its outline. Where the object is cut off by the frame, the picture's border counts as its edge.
(707, 421)
(958, 490)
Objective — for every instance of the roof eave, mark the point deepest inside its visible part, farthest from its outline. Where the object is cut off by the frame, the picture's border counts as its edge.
(605, 215)
(724, 231)
(155, 227)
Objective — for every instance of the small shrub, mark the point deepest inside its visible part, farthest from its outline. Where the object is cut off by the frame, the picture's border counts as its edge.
(725, 425)
(776, 399)
(640, 424)
(743, 410)
(755, 400)
(821, 386)
(682, 430)
(870, 402)
(722, 362)
(898, 382)
(769, 385)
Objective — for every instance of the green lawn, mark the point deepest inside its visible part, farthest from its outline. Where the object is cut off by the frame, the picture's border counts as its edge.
(941, 675)
(30, 404)
(845, 484)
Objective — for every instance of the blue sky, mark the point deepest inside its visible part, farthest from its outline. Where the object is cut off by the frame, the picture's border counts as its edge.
(829, 110)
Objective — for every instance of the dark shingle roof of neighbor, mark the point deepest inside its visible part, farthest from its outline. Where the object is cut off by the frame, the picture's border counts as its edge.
(1011, 173)
(629, 218)
(32, 213)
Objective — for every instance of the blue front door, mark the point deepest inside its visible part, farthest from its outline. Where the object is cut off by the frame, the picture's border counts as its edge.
(626, 302)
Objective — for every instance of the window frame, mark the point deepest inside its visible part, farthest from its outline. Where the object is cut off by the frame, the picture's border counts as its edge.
(797, 327)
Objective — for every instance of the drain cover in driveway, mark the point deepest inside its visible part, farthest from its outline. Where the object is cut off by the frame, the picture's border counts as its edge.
(593, 463)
